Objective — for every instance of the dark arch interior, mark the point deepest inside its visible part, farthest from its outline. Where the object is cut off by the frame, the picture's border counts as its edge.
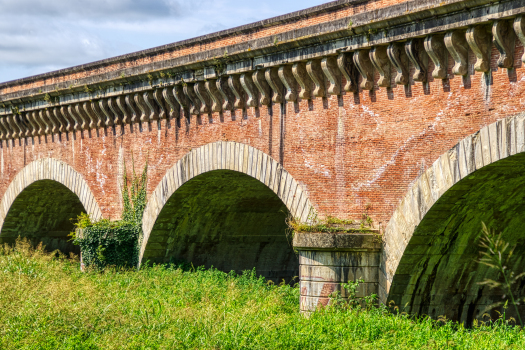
(43, 212)
(228, 220)
(439, 273)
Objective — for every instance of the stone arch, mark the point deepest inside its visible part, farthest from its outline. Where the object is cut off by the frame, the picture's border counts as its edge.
(230, 157)
(490, 157)
(41, 175)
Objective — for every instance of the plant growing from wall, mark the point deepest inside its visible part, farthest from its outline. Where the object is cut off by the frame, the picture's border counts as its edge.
(115, 243)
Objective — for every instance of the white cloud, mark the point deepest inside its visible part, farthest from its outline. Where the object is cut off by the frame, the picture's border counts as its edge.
(37, 36)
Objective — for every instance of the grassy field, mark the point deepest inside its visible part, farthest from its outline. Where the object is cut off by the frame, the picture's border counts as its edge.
(47, 303)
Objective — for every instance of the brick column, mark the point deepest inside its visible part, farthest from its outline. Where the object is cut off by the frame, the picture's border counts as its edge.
(328, 259)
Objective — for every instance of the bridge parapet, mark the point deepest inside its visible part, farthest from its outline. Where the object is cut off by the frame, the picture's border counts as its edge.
(316, 61)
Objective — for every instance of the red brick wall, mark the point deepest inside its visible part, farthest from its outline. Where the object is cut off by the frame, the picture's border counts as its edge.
(353, 152)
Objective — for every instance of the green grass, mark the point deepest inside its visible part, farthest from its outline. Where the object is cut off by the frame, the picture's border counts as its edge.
(47, 303)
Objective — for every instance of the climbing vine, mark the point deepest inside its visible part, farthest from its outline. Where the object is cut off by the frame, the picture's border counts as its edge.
(115, 243)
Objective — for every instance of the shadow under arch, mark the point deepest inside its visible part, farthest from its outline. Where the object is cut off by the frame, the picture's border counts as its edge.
(429, 262)
(225, 204)
(40, 201)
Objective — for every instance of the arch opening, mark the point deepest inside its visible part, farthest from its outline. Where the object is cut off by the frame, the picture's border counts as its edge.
(43, 213)
(438, 273)
(228, 220)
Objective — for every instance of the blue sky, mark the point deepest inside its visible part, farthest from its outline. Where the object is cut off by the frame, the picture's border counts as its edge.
(37, 36)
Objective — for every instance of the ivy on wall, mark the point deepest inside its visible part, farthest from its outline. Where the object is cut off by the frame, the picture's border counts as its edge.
(115, 243)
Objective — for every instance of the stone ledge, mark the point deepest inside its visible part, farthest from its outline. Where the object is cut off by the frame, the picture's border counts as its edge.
(336, 241)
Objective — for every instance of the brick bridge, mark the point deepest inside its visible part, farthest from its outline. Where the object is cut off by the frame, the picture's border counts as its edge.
(409, 112)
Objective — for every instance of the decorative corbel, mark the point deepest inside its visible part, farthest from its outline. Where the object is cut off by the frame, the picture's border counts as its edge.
(456, 44)
(200, 90)
(4, 133)
(17, 132)
(216, 98)
(6, 127)
(436, 49)
(195, 104)
(167, 93)
(159, 98)
(34, 126)
(365, 67)
(51, 118)
(315, 72)
(303, 79)
(72, 113)
(95, 112)
(20, 122)
(144, 110)
(227, 95)
(416, 53)
(234, 83)
(88, 110)
(46, 127)
(379, 58)
(287, 74)
(115, 108)
(479, 38)
(85, 121)
(65, 114)
(505, 41)
(130, 102)
(275, 83)
(262, 85)
(121, 103)
(180, 96)
(249, 87)
(399, 59)
(349, 71)
(519, 28)
(330, 69)
(103, 105)
(150, 104)
(60, 119)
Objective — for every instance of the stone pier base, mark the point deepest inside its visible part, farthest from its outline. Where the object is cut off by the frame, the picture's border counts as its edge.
(326, 260)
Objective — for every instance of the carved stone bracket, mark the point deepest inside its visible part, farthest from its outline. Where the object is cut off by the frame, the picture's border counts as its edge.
(89, 115)
(203, 96)
(287, 74)
(227, 95)
(34, 124)
(114, 106)
(366, 68)
(180, 96)
(20, 123)
(216, 97)
(59, 118)
(130, 102)
(159, 99)
(249, 87)
(275, 83)
(456, 44)
(260, 82)
(153, 110)
(519, 28)
(437, 51)
(300, 73)
(350, 72)
(505, 41)
(24, 121)
(65, 115)
(51, 117)
(46, 126)
(9, 119)
(194, 102)
(72, 113)
(173, 104)
(5, 125)
(416, 53)
(332, 73)
(399, 59)
(315, 72)
(104, 107)
(17, 132)
(379, 58)
(479, 38)
(234, 82)
(4, 132)
(141, 104)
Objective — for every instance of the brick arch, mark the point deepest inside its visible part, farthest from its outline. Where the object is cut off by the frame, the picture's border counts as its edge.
(226, 155)
(49, 169)
(494, 142)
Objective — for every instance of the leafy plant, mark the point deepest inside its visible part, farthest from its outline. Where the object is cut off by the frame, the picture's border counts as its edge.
(497, 255)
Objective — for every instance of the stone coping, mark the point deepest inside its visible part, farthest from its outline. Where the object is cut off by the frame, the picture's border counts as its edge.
(337, 241)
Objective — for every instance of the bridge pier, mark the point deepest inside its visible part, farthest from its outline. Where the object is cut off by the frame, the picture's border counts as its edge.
(326, 260)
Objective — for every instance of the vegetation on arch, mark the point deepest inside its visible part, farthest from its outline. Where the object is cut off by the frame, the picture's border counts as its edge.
(330, 224)
(115, 243)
